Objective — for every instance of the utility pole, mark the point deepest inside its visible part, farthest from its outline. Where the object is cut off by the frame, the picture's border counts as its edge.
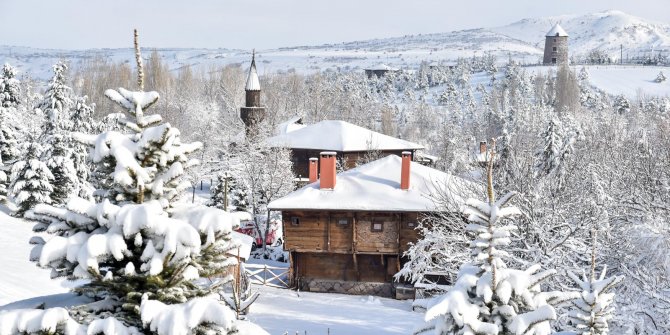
(621, 59)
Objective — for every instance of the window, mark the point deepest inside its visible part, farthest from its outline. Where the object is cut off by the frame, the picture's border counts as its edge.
(295, 221)
(553, 60)
(410, 225)
(555, 49)
(377, 226)
(342, 222)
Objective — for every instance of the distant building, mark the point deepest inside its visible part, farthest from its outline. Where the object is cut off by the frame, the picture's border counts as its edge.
(556, 46)
(379, 70)
(252, 113)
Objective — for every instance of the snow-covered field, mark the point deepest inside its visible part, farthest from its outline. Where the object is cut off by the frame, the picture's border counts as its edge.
(24, 285)
(631, 81)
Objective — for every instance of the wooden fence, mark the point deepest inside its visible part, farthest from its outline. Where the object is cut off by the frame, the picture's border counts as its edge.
(273, 276)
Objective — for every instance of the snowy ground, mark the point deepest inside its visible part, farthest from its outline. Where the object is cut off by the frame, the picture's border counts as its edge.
(24, 285)
(631, 81)
(282, 311)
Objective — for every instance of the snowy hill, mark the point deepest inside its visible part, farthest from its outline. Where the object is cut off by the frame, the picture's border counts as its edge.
(606, 31)
(522, 40)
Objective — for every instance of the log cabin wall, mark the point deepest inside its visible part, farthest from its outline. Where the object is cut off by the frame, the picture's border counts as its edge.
(347, 246)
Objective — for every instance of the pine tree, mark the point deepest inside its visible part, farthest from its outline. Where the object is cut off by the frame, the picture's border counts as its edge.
(220, 192)
(10, 88)
(30, 181)
(59, 162)
(488, 297)
(140, 249)
(3, 184)
(57, 102)
(592, 311)
(81, 121)
(8, 144)
(621, 104)
(548, 158)
(660, 78)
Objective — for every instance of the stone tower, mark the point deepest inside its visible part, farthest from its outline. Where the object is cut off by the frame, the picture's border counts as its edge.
(252, 113)
(556, 46)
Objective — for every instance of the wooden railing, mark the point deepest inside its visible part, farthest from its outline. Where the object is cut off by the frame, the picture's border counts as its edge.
(273, 276)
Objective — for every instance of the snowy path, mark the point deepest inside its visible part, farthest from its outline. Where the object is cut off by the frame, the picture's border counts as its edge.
(282, 310)
(21, 279)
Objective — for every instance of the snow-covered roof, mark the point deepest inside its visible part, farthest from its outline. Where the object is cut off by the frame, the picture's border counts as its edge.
(253, 84)
(245, 242)
(557, 30)
(335, 135)
(376, 187)
(290, 125)
(382, 67)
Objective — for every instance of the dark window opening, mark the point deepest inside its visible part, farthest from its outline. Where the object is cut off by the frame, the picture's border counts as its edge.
(295, 221)
(553, 60)
(555, 49)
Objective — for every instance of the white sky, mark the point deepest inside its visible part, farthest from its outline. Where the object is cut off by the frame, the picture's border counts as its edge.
(263, 24)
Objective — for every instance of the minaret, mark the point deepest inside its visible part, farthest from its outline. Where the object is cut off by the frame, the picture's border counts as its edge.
(556, 46)
(252, 113)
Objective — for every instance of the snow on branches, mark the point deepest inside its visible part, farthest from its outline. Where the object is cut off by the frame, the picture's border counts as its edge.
(488, 297)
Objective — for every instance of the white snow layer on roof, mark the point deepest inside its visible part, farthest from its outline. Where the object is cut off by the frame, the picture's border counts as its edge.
(253, 84)
(381, 67)
(290, 125)
(557, 30)
(339, 136)
(376, 187)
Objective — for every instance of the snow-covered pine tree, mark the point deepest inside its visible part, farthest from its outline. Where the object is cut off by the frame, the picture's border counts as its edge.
(488, 297)
(660, 78)
(3, 184)
(141, 251)
(220, 192)
(59, 162)
(592, 311)
(8, 144)
(56, 102)
(548, 158)
(239, 194)
(30, 181)
(10, 87)
(81, 121)
(621, 104)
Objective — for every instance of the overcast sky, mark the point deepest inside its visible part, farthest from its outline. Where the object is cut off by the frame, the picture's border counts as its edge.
(263, 24)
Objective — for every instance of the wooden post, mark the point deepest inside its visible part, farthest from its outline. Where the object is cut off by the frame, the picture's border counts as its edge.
(201, 185)
(328, 231)
(225, 193)
(353, 247)
(193, 195)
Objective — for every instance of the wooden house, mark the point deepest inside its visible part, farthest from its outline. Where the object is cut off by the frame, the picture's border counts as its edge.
(349, 142)
(379, 71)
(347, 232)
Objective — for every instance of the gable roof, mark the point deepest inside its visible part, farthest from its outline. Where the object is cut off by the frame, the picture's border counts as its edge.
(334, 135)
(557, 30)
(376, 187)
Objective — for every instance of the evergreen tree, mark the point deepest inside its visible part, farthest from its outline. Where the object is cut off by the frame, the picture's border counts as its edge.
(57, 102)
(621, 104)
(81, 121)
(548, 158)
(488, 297)
(59, 162)
(10, 87)
(660, 78)
(136, 248)
(8, 145)
(30, 181)
(220, 192)
(592, 311)
(239, 194)
(3, 184)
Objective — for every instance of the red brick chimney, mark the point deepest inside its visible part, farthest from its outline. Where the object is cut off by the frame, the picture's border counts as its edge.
(404, 171)
(482, 147)
(327, 170)
(313, 169)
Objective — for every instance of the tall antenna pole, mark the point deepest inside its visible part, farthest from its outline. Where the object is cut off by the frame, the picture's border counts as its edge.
(138, 58)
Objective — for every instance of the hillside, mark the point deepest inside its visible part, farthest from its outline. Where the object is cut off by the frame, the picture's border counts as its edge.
(522, 40)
